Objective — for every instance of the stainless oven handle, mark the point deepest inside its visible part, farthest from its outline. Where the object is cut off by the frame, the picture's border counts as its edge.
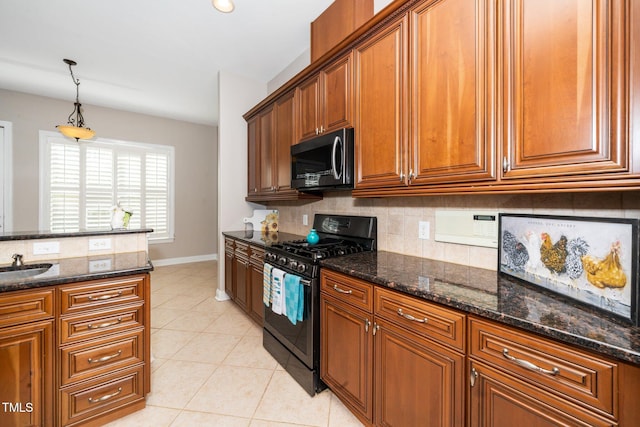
(305, 282)
(336, 174)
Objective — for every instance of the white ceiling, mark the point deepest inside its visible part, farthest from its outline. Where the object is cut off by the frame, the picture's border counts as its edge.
(159, 57)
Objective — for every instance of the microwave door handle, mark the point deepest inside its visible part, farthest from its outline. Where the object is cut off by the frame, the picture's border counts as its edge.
(336, 174)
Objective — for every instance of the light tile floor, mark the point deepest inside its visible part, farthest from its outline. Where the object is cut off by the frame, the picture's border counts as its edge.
(210, 369)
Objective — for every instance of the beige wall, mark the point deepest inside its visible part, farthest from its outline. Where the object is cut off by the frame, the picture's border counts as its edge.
(398, 217)
(196, 165)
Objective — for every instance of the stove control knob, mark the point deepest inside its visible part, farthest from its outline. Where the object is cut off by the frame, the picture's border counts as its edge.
(301, 268)
(282, 260)
(293, 264)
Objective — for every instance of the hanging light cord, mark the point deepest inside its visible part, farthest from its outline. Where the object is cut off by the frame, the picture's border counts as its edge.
(79, 120)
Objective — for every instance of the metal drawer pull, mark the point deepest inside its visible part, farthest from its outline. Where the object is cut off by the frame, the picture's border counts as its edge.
(103, 297)
(528, 365)
(104, 325)
(410, 317)
(342, 291)
(105, 358)
(105, 397)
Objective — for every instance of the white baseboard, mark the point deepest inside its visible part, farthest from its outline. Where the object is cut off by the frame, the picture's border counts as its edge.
(221, 295)
(184, 260)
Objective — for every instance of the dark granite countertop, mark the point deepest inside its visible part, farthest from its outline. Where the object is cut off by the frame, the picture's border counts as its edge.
(260, 239)
(29, 235)
(495, 296)
(68, 270)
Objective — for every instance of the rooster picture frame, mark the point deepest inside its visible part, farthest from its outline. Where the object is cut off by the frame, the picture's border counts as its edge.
(590, 260)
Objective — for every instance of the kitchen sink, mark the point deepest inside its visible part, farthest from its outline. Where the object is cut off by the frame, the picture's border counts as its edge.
(23, 271)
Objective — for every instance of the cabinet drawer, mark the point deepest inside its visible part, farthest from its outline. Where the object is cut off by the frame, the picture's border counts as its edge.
(228, 244)
(96, 324)
(93, 398)
(578, 376)
(424, 318)
(101, 293)
(348, 289)
(242, 249)
(257, 256)
(97, 357)
(27, 306)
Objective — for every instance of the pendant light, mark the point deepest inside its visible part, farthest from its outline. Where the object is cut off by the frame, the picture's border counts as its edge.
(75, 125)
(225, 6)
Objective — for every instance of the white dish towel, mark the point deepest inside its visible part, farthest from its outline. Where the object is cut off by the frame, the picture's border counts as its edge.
(277, 291)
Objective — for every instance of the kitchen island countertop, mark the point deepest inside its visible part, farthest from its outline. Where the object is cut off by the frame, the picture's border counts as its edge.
(68, 270)
(492, 295)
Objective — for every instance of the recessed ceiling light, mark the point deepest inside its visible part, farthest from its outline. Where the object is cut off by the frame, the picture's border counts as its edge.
(225, 6)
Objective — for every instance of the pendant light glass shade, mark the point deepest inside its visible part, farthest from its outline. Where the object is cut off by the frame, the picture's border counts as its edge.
(225, 6)
(76, 132)
(75, 125)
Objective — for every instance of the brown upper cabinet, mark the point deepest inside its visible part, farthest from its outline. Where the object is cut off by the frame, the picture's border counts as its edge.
(380, 107)
(452, 79)
(326, 99)
(564, 82)
(271, 133)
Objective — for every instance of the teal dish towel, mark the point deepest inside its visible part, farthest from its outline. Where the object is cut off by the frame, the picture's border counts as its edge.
(266, 284)
(294, 298)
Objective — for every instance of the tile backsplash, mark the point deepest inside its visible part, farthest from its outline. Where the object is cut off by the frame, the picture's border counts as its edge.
(398, 218)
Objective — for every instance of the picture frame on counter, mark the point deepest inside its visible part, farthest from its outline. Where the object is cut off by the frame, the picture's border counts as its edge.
(587, 259)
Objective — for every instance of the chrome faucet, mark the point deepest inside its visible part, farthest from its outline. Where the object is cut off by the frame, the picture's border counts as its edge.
(17, 260)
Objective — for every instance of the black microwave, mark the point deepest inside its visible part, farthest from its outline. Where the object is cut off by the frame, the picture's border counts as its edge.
(324, 162)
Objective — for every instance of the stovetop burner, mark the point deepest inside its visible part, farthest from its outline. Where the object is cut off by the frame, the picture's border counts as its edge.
(325, 248)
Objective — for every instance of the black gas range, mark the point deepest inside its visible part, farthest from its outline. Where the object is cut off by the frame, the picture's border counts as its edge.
(297, 346)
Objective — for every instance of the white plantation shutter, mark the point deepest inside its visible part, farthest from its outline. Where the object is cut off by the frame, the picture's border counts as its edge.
(64, 187)
(81, 182)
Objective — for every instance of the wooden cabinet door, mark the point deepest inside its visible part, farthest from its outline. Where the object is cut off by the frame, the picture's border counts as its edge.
(229, 266)
(418, 382)
(266, 152)
(564, 82)
(380, 70)
(309, 109)
(499, 400)
(256, 274)
(452, 82)
(241, 280)
(285, 134)
(253, 156)
(337, 94)
(346, 362)
(26, 375)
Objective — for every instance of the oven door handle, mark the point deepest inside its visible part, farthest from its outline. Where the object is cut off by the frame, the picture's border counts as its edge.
(305, 282)
(334, 169)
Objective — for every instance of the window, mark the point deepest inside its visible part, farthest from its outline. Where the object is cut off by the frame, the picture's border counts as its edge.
(81, 182)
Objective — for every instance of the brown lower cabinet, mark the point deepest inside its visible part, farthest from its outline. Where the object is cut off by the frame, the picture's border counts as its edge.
(75, 354)
(244, 265)
(397, 360)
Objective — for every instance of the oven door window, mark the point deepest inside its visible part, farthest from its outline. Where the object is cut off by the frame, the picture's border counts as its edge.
(297, 338)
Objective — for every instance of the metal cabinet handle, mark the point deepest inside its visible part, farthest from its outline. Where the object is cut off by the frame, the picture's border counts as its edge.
(410, 317)
(411, 175)
(505, 164)
(367, 323)
(104, 358)
(376, 328)
(473, 377)
(104, 297)
(105, 397)
(402, 176)
(528, 365)
(342, 291)
(104, 325)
